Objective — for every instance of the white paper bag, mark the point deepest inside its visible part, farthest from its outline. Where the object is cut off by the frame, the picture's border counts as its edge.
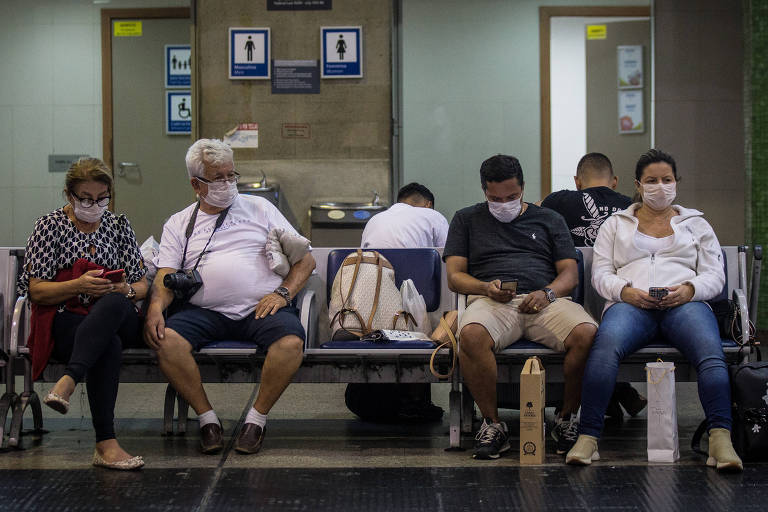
(414, 304)
(663, 442)
(149, 251)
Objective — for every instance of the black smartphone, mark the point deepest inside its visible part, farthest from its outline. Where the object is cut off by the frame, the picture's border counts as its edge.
(509, 285)
(658, 292)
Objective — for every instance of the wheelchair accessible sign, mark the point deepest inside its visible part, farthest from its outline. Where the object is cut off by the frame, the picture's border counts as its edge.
(342, 51)
(178, 113)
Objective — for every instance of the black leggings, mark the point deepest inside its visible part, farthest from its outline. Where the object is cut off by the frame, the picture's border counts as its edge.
(92, 345)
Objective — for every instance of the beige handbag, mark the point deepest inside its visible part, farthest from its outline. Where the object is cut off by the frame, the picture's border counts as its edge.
(364, 296)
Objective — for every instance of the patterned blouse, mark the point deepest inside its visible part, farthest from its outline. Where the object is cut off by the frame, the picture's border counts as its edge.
(56, 244)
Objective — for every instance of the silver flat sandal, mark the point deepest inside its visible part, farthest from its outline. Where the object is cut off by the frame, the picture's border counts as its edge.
(121, 465)
(56, 402)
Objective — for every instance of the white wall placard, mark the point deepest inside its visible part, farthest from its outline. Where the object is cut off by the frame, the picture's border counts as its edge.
(342, 52)
(178, 113)
(631, 111)
(630, 66)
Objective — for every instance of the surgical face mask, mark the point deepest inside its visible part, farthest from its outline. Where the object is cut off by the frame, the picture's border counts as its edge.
(89, 215)
(659, 195)
(506, 212)
(221, 194)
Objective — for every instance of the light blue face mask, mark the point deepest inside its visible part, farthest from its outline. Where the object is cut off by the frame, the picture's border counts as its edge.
(506, 212)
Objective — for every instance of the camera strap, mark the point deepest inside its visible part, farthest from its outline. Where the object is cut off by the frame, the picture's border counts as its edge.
(191, 228)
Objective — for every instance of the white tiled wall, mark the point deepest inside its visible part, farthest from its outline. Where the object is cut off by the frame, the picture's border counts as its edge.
(50, 100)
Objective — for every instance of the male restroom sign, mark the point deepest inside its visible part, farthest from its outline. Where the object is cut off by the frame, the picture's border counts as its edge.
(249, 53)
(342, 51)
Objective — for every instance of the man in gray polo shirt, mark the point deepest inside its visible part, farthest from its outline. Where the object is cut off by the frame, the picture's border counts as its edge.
(507, 240)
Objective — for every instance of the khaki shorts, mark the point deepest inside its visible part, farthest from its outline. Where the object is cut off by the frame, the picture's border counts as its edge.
(506, 324)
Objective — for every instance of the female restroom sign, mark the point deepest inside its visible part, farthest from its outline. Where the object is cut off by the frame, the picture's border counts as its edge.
(249, 50)
(342, 51)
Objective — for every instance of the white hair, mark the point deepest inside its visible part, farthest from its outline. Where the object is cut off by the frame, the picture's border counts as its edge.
(204, 152)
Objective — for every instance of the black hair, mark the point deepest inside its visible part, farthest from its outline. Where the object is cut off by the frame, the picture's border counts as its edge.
(653, 156)
(415, 189)
(500, 168)
(596, 163)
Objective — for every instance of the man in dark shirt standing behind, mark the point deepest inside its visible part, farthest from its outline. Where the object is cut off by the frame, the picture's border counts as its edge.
(584, 210)
(507, 240)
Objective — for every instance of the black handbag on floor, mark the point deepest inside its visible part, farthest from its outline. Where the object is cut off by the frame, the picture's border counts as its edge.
(749, 398)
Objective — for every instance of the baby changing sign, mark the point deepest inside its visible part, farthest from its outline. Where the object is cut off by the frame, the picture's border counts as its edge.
(249, 53)
(178, 112)
(342, 51)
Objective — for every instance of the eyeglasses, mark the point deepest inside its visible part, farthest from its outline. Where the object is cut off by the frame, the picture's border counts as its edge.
(87, 202)
(234, 178)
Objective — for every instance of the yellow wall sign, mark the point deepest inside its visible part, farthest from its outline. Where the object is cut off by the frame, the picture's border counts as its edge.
(597, 31)
(127, 28)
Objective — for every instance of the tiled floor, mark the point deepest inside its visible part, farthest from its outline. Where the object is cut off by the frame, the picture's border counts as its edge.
(317, 456)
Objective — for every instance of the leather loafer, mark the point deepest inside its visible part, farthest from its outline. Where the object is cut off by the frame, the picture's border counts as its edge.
(211, 438)
(250, 438)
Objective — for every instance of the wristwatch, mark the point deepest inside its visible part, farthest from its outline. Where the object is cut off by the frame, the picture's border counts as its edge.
(131, 293)
(551, 297)
(284, 293)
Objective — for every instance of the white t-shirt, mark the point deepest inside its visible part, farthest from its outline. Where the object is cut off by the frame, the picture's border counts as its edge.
(405, 226)
(234, 269)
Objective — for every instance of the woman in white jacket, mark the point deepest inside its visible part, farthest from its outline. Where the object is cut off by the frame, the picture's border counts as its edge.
(655, 263)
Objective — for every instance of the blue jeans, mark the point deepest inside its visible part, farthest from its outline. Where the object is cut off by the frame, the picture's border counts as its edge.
(690, 328)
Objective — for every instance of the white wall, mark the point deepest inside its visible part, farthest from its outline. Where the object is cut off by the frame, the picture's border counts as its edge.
(50, 100)
(568, 95)
(470, 89)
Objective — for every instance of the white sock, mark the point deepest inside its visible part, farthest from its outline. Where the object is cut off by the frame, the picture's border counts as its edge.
(208, 417)
(256, 417)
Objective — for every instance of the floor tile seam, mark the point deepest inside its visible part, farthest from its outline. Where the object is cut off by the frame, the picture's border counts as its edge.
(225, 455)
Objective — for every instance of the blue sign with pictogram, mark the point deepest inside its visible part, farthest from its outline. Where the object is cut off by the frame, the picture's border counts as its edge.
(249, 50)
(178, 112)
(178, 65)
(342, 52)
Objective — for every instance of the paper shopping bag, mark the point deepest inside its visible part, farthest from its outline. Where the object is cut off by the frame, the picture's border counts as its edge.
(532, 386)
(663, 442)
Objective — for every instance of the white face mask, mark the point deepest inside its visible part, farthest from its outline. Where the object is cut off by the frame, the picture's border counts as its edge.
(659, 196)
(89, 215)
(221, 195)
(506, 212)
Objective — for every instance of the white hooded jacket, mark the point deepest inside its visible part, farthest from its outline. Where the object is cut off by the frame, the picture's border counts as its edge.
(694, 257)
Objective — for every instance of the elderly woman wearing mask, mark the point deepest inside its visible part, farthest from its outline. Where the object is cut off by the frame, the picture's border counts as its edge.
(79, 316)
(655, 244)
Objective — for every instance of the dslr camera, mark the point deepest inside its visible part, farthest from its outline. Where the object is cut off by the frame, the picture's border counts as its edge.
(184, 284)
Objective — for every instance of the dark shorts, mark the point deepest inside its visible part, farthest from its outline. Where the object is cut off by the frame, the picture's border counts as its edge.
(200, 326)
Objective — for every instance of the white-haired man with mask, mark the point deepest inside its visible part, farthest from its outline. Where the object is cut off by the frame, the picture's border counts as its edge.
(490, 246)
(223, 236)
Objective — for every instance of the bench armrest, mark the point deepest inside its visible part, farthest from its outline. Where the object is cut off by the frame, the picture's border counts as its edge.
(306, 302)
(16, 328)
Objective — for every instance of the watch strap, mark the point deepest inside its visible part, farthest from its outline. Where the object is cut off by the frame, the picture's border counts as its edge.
(551, 297)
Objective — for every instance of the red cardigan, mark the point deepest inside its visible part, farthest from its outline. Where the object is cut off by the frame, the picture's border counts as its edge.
(40, 340)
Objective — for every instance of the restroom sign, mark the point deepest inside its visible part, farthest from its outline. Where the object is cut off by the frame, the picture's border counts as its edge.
(249, 53)
(342, 51)
(178, 65)
(178, 113)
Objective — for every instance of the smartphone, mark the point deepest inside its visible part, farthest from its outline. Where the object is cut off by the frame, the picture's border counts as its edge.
(509, 285)
(658, 292)
(116, 276)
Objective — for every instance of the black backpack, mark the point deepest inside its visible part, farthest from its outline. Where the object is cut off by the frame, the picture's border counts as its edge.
(749, 396)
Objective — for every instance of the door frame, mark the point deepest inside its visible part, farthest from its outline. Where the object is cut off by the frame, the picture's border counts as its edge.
(107, 16)
(545, 112)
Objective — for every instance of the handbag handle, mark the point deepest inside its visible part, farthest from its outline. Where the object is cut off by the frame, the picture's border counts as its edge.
(452, 344)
